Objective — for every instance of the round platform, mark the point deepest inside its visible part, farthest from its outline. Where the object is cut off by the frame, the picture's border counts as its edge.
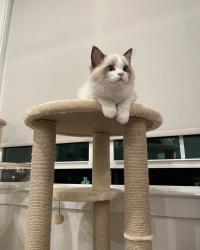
(84, 194)
(84, 117)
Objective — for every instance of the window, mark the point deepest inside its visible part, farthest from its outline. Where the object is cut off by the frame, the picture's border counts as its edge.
(118, 150)
(163, 148)
(168, 177)
(175, 177)
(73, 176)
(72, 151)
(158, 148)
(73, 164)
(17, 154)
(192, 146)
(64, 152)
(14, 175)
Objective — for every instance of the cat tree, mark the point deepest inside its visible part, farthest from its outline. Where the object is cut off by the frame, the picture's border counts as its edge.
(85, 118)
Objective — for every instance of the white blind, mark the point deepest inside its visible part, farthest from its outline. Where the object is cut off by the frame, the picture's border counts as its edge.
(5, 14)
(49, 53)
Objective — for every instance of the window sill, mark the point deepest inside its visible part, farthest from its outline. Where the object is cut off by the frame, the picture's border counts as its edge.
(165, 191)
(169, 163)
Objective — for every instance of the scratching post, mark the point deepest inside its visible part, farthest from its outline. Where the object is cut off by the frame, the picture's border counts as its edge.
(101, 179)
(41, 187)
(85, 118)
(2, 124)
(137, 208)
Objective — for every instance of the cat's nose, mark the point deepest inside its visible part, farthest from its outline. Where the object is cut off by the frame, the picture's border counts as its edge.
(121, 74)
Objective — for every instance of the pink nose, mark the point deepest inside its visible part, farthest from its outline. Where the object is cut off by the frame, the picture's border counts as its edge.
(121, 74)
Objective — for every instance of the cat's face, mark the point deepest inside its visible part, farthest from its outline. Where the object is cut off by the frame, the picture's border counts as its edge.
(114, 68)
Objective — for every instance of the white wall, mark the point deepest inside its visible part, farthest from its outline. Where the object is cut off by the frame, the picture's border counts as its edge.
(175, 222)
(49, 50)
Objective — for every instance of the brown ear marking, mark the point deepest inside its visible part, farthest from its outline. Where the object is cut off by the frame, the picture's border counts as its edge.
(128, 54)
(96, 57)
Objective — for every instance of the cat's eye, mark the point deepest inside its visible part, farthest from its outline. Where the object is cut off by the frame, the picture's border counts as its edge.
(111, 68)
(125, 68)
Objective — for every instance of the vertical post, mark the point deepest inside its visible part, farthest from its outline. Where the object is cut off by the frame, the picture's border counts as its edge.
(2, 124)
(137, 207)
(41, 187)
(101, 180)
(1, 129)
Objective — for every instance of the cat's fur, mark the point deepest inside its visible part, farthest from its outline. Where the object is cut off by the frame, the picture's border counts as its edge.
(113, 91)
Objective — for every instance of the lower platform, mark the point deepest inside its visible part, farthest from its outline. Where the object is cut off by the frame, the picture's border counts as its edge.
(85, 194)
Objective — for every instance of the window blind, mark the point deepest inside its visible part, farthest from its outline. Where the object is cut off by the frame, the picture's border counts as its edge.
(49, 54)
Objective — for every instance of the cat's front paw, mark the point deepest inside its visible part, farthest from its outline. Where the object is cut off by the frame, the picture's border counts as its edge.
(110, 112)
(123, 117)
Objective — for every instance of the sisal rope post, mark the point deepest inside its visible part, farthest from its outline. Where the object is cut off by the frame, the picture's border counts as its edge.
(101, 180)
(41, 186)
(137, 207)
(2, 124)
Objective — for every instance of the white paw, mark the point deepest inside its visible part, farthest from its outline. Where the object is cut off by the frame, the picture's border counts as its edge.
(110, 112)
(123, 118)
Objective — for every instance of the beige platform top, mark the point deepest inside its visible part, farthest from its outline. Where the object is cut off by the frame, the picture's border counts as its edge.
(84, 194)
(84, 117)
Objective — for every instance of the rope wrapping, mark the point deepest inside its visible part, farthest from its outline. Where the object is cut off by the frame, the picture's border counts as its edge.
(41, 187)
(137, 207)
(101, 225)
(138, 238)
(101, 180)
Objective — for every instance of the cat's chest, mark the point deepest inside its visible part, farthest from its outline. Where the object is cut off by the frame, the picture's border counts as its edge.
(116, 93)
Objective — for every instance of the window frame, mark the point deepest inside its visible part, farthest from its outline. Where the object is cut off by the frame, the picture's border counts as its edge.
(164, 163)
(119, 164)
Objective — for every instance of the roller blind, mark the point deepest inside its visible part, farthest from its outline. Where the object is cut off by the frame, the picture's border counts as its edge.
(5, 14)
(49, 53)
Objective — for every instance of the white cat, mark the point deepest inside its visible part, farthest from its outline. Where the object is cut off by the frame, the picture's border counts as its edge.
(111, 83)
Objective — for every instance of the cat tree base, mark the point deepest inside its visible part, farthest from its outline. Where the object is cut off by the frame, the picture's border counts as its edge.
(85, 118)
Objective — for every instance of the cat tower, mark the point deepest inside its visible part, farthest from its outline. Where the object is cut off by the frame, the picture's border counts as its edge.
(85, 118)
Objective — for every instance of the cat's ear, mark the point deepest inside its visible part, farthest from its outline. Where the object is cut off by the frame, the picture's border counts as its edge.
(128, 54)
(96, 57)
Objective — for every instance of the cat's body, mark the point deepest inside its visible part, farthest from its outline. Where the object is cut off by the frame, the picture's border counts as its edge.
(111, 83)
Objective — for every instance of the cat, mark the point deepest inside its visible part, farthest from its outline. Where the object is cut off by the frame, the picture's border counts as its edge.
(111, 82)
